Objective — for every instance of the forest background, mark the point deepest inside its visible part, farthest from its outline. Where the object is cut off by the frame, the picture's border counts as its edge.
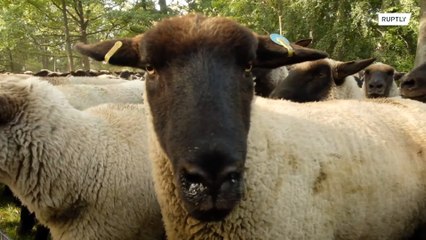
(40, 34)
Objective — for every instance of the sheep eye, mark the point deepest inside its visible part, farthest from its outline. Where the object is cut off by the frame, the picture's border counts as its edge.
(248, 67)
(150, 69)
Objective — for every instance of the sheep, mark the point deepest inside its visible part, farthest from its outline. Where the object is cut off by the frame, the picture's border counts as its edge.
(85, 174)
(15, 76)
(102, 79)
(82, 96)
(379, 81)
(228, 165)
(413, 85)
(88, 91)
(320, 80)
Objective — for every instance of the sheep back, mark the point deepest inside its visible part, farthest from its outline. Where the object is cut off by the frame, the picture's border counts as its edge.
(85, 174)
(324, 170)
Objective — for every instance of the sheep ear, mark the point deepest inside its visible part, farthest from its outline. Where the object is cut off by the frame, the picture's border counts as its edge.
(345, 69)
(126, 55)
(272, 55)
(8, 109)
(304, 42)
(398, 75)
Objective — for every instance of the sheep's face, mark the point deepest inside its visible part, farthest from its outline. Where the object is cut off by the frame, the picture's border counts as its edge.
(306, 82)
(378, 80)
(199, 88)
(413, 85)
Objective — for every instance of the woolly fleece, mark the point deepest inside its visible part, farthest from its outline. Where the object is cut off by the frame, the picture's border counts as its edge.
(85, 174)
(326, 170)
(83, 96)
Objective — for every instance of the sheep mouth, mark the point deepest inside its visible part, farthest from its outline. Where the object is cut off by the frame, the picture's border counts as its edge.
(376, 95)
(206, 203)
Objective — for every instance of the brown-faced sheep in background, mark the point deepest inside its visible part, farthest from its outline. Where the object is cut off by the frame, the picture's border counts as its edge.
(379, 81)
(320, 80)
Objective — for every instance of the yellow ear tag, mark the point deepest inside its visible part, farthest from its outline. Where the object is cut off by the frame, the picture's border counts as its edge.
(112, 51)
(281, 40)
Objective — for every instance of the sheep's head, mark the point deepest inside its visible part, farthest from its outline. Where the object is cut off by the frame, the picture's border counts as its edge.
(378, 80)
(413, 85)
(199, 88)
(313, 80)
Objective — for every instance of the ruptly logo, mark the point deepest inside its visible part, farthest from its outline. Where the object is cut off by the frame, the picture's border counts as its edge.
(394, 19)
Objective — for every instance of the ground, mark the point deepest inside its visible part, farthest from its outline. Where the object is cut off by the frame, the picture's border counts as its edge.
(9, 218)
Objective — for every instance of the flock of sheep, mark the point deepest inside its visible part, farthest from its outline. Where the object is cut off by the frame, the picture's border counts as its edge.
(228, 136)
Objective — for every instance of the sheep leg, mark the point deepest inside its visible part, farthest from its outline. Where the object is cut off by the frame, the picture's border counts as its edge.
(42, 233)
(419, 233)
(26, 222)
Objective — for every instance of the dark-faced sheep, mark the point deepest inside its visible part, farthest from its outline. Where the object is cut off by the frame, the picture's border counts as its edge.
(228, 165)
(413, 85)
(379, 81)
(320, 80)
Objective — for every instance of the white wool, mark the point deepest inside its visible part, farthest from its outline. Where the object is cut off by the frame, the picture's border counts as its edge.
(14, 76)
(102, 79)
(326, 170)
(347, 90)
(394, 91)
(277, 74)
(85, 174)
(82, 96)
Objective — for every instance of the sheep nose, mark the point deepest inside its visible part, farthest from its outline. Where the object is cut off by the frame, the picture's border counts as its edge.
(377, 86)
(408, 84)
(214, 181)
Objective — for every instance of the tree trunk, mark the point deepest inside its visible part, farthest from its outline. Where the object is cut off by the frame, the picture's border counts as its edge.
(83, 31)
(45, 59)
(67, 37)
(163, 5)
(421, 40)
(11, 64)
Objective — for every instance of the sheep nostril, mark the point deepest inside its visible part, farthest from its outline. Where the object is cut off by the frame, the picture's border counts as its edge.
(193, 177)
(408, 84)
(379, 86)
(370, 86)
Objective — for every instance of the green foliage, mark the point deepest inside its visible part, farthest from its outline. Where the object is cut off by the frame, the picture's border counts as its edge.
(32, 31)
(346, 29)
